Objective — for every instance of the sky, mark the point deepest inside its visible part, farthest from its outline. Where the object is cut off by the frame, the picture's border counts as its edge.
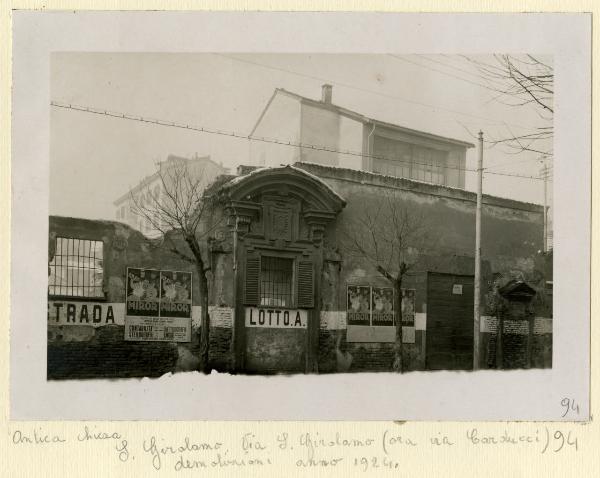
(94, 159)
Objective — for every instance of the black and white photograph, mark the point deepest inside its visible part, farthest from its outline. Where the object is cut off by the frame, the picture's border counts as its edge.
(281, 182)
(240, 213)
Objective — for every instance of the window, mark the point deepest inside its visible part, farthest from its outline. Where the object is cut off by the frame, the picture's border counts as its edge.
(392, 158)
(276, 280)
(279, 282)
(404, 160)
(76, 270)
(429, 165)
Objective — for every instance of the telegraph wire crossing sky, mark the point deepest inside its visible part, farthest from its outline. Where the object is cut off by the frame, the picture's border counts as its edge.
(172, 124)
(437, 94)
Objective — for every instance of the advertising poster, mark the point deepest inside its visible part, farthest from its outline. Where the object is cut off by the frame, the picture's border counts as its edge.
(143, 289)
(159, 305)
(359, 305)
(176, 294)
(158, 329)
(382, 299)
(408, 307)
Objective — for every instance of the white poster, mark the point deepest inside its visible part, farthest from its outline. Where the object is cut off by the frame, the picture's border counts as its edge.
(158, 329)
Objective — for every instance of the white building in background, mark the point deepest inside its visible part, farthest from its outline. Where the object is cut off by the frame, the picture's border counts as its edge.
(324, 129)
(200, 168)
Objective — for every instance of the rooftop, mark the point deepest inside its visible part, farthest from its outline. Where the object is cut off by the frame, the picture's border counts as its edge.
(326, 103)
(382, 180)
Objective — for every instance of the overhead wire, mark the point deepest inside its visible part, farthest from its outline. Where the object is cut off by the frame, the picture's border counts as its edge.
(406, 60)
(378, 93)
(173, 124)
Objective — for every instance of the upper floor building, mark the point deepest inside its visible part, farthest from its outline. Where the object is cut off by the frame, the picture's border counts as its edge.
(330, 135)
(151, 189)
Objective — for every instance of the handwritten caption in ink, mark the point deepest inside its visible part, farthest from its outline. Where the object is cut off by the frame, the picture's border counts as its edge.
(383, 450)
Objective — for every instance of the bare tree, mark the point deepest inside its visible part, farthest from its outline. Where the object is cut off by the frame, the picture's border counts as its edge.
(521, 81)
(387, 234)
(183, 216)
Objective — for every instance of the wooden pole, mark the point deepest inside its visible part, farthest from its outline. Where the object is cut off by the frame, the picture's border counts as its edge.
(477, 280)
(545, 176)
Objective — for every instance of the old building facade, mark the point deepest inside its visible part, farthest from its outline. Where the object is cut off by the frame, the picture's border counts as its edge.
(287, 294)
(331, 135)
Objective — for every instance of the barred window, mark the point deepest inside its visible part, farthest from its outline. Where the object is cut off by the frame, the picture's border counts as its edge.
(77, 268)
(276, 280)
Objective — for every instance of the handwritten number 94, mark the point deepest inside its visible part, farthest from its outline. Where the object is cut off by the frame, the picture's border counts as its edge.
(569, 405)
(560, 440)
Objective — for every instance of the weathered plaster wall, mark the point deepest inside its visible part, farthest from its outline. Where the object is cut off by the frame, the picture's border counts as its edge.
(281, 122)
(512, 234)
(320, 127)
(85, 351)
(511, 244)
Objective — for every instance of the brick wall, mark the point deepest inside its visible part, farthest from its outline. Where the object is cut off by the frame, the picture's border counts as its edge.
(106, 355)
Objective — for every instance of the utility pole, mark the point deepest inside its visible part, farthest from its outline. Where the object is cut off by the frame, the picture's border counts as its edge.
(477, 280)
(545, 176)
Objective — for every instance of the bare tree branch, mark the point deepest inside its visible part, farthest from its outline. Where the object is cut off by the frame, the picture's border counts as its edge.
(521, 81)
(387, 235)
(178, 207)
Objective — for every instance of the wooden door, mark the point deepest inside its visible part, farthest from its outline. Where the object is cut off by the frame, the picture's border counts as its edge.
(449, 322)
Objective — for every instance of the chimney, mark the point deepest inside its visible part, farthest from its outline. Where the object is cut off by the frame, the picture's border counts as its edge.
(326, 92)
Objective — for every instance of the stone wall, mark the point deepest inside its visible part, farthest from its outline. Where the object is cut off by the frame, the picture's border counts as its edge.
(80, 350)
(511, 241)
(512, 236)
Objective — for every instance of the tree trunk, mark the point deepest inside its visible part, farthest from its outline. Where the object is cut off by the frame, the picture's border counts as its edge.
(204, 316)
(398, 362)
(204, 323)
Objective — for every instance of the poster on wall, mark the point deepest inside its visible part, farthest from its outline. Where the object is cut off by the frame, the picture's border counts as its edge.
(408, 307)
(158, 305)
(382, 299)
(158, 329)
(143, 286)
(374, 306)
(359, 305)
(176, 294)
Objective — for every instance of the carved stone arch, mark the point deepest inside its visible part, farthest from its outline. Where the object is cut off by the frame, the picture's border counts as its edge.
(320, 203)
(285, 180)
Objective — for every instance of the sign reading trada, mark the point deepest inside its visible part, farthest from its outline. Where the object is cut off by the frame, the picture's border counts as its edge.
(96, 314)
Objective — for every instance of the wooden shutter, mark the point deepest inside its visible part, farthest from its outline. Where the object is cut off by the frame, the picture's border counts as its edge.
(306, 296)
(251, 286)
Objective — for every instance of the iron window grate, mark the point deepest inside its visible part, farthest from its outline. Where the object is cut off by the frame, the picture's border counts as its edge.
(276, 280)
(77, 268)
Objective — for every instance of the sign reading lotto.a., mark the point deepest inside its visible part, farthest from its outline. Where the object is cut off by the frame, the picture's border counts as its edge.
(159, 305)
(276, 318)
